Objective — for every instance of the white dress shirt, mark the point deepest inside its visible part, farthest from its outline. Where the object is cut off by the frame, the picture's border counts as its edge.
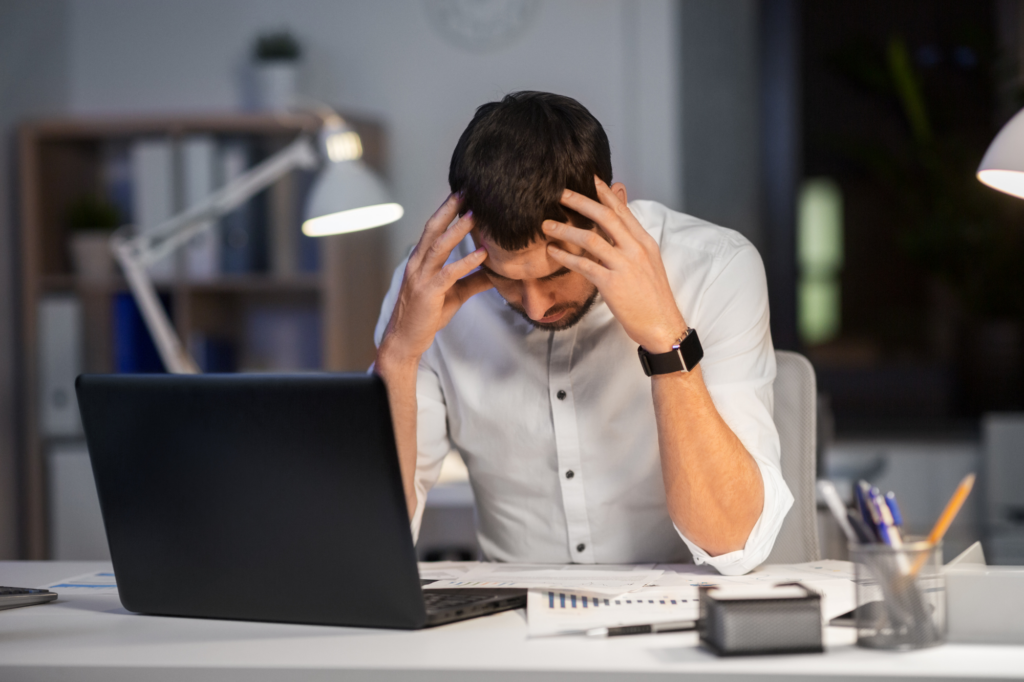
(558, 430)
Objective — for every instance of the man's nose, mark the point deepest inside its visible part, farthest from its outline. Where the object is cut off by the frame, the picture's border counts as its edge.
(535, 302)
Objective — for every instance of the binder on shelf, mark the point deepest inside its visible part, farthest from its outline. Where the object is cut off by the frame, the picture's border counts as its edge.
(243, 240)
(60, 361)
(283, 228)
(281, 339)
(198, 161)
(213, 354)
(134, 350)
(153, 193)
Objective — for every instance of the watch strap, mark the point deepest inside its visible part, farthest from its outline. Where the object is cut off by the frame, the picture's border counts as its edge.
(683, 357)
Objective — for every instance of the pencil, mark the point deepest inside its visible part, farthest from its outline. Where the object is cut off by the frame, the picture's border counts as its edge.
(946, 518)
(952, 509)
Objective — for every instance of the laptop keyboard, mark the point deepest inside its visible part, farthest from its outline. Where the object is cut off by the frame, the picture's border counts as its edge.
(20, 590)
(434, 600)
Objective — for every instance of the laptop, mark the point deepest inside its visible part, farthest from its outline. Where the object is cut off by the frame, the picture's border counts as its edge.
(260, 497)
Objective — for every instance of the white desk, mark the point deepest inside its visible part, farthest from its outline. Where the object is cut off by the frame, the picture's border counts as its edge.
(92, 638)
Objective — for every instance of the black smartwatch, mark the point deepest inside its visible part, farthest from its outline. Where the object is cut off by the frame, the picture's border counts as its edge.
(683, 357)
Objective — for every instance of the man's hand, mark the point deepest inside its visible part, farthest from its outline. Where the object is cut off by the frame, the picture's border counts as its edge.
(628, 271)
(431, 291)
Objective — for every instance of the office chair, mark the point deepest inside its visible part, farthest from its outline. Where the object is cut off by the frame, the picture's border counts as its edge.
(796, 419)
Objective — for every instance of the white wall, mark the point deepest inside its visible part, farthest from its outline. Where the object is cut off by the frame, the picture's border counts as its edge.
(384, 58)
(33, 61)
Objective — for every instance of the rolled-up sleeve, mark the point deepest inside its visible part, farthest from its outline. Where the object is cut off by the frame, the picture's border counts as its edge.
(739, 370)
(432, 439)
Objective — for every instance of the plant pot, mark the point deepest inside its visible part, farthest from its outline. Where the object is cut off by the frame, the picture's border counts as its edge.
(91, 255)
(275, 85)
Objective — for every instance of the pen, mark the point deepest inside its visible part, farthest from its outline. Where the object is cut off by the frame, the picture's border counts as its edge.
(897, 516)
(650, 628)
(872, 515)
(892, 533)
(861, 492)
(835, 504)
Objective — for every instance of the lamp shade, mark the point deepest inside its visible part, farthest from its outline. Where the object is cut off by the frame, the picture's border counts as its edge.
(348, 197)
(1002, 168)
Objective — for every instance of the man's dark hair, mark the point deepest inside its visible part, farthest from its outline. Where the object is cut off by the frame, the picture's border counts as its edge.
(515, 158)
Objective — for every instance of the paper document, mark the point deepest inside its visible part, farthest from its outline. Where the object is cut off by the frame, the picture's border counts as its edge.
(90, 583)
(546, 614)
(562, 612)
(607, 579)
(445, 570)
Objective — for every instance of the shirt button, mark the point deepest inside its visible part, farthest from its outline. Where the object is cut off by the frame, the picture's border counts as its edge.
(580, 547)
(560, 395)
(569, 474)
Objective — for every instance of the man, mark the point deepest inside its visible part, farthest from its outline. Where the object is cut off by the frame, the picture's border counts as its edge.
(512, 335)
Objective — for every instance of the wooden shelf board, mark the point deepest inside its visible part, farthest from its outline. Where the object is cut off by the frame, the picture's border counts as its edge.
(240, 284)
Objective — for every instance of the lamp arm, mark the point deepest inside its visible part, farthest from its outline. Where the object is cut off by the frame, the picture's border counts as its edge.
(156, 243)
(136, 252)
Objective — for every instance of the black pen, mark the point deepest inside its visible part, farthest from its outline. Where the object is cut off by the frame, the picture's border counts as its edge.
(651, 628)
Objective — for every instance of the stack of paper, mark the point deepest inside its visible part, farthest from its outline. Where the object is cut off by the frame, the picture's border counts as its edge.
(604, 579)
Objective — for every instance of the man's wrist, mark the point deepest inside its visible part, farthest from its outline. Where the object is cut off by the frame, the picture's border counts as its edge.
(665, 340)
(391, 357)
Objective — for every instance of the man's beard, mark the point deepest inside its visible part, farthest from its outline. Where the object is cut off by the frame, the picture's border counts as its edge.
(575, 314)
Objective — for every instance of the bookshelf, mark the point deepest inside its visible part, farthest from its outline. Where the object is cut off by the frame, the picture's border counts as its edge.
(60, 160)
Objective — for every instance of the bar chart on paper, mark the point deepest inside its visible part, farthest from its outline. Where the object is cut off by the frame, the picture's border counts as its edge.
(553, 612)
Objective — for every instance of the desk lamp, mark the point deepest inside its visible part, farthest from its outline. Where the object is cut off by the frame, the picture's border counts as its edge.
(346, 197)
(1002, 167)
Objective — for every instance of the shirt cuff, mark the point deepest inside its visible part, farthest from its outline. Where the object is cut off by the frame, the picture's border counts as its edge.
(777, 501)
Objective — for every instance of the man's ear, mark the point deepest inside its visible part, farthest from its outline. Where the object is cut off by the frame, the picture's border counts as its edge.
(620, 191)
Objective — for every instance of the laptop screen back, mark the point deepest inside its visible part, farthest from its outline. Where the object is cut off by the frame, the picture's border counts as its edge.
(256, 497)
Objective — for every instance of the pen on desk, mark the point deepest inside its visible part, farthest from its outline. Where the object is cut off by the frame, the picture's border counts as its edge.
(838, 509)
(649, 629)
(897, 516)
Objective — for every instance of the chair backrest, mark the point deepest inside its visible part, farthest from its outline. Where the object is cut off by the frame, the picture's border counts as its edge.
(795, 417)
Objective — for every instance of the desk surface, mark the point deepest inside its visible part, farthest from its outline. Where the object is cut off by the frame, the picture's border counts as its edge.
(99, 640)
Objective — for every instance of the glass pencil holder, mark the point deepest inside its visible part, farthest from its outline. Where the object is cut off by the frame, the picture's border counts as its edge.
(901, 595)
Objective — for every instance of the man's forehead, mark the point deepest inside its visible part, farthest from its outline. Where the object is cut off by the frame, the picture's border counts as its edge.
(531, 262)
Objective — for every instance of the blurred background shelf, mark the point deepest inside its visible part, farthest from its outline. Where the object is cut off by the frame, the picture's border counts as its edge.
(285, 303)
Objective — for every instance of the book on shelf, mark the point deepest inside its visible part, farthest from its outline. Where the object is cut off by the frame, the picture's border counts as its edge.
(244, 243)
(198, 165)
(281, 338)
(134, 350)
(152, 160)
(60, 361)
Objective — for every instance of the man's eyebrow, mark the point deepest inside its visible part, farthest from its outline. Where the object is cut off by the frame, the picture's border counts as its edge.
(492, 273)
(554, 275)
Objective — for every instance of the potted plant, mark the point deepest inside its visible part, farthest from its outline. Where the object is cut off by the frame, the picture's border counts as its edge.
(91, 221)
(276, 58)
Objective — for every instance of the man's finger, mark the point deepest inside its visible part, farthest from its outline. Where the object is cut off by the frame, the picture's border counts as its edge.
(453, 272)
(603, 215)
(471, 285)
(612, 200)
(594, 272)
(437, 224)
(443, 246)
(588, 240)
